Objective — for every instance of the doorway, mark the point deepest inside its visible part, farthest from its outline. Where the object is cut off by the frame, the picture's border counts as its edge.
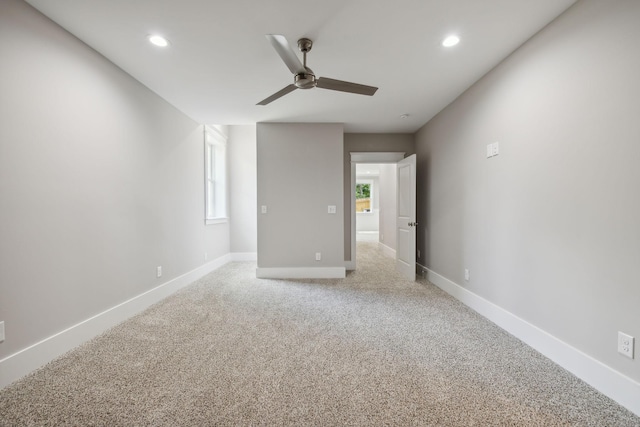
(374, 176)
(368, 202)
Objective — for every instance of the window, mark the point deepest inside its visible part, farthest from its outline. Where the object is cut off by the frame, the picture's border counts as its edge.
(364, 196)
(215, 144)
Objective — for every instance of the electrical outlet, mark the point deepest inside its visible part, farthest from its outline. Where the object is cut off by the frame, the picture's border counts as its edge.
(159, 271)
(418, 253)
(331, 209)
(2, 331)
(496, 148)
(493, 149)
(625, 344)
(263, 209)
(466, 274)
(318, 256)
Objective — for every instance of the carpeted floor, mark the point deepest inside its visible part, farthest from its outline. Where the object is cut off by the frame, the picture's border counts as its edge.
(372, 349)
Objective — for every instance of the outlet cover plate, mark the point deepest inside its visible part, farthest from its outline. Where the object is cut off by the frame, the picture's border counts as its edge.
(625, 344)
(2, 331)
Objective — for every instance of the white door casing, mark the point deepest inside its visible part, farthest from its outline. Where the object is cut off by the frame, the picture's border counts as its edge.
(364, 157)
(406, 218)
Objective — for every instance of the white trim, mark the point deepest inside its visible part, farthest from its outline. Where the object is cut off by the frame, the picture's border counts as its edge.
(350, 265)
(211, 221)
(387, 251)
(19, 364)
(369, 181)
(603, 378)
(244, 256)
(216, 131)
(215, 141)
(301, 273)
(353, 216)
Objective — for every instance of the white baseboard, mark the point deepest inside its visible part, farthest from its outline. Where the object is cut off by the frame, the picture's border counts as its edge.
(608, 381)
(244, 256)
(301, 273)
(19, 364)
(387, 251)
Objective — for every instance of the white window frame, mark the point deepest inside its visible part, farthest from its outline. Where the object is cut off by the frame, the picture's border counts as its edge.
(215, 176)
(370, 182)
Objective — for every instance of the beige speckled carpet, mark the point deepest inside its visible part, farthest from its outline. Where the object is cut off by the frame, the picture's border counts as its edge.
(371, 349)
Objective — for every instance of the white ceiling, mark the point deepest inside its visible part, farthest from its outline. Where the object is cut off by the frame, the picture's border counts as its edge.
(219, 64)
(370, 169)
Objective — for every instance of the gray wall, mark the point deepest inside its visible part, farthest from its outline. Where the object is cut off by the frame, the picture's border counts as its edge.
(100, 182)
(243, 188)
(363, 143)
(388, 192)
(299, 176)
(550, 228)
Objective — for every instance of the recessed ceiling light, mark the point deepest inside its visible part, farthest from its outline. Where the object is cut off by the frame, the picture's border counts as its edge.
(404, 116)
(451, 41)
(158, 40)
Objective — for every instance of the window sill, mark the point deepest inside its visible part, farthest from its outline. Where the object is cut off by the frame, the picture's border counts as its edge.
(215, 221)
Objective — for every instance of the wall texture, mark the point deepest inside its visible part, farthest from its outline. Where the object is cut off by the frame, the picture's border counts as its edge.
(299, 176)
(388, 190)
(550, 228)
(243, 189)
(100, 182)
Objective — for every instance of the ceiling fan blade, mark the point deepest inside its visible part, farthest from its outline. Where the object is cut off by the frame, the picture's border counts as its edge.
(277, 95)
(332, 84)
(281, 45)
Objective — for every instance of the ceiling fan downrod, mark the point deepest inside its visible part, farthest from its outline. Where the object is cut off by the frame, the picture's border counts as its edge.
(307, 79)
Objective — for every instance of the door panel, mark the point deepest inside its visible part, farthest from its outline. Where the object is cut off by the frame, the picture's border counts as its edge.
(406, 218)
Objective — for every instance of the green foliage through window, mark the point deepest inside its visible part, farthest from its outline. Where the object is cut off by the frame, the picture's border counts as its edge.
(363, 191)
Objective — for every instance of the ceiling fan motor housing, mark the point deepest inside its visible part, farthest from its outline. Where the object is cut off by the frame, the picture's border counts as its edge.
(305, 80)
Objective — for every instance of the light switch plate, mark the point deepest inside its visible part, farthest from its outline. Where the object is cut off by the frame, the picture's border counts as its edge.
(264, 209)
(2, 331)
(332, 209)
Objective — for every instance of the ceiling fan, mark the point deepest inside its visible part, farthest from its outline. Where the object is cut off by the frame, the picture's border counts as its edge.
(303, 77)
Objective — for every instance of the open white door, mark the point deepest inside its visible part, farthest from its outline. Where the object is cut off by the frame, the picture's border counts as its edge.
(406, 218)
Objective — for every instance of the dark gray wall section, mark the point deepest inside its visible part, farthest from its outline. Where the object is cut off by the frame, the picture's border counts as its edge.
(299, 176)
